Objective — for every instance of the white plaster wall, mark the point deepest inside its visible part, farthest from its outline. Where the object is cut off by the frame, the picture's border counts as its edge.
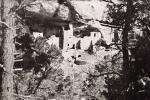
(95, 36)
(68, 37)
(53, 40)
(107, 33)
(68, 33)
(70, 40)
(85, 43)
(37, 34)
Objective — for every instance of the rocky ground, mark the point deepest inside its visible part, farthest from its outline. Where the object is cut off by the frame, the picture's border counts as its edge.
(84, 64)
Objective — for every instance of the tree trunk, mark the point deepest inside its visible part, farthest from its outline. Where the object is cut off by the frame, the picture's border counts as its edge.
(127, 27)
(8, 52)
(1, 12)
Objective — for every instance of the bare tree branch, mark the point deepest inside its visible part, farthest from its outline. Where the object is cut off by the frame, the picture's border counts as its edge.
(3, 23)
(26, 97)
(107, 73)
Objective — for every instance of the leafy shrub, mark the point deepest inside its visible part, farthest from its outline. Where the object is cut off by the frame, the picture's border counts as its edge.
(102, 42)
(44, 61)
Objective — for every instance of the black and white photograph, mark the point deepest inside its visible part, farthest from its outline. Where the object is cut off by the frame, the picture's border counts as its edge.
(74, 49)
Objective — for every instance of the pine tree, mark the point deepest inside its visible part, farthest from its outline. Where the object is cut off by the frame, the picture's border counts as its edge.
(8, 50)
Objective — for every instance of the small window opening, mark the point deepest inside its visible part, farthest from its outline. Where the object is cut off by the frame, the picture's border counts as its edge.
(66, 27)
(73, 47)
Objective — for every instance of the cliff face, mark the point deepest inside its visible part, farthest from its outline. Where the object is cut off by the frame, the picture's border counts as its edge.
(69, 10)
(49, 12)
(51, 9)
(90, 9)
